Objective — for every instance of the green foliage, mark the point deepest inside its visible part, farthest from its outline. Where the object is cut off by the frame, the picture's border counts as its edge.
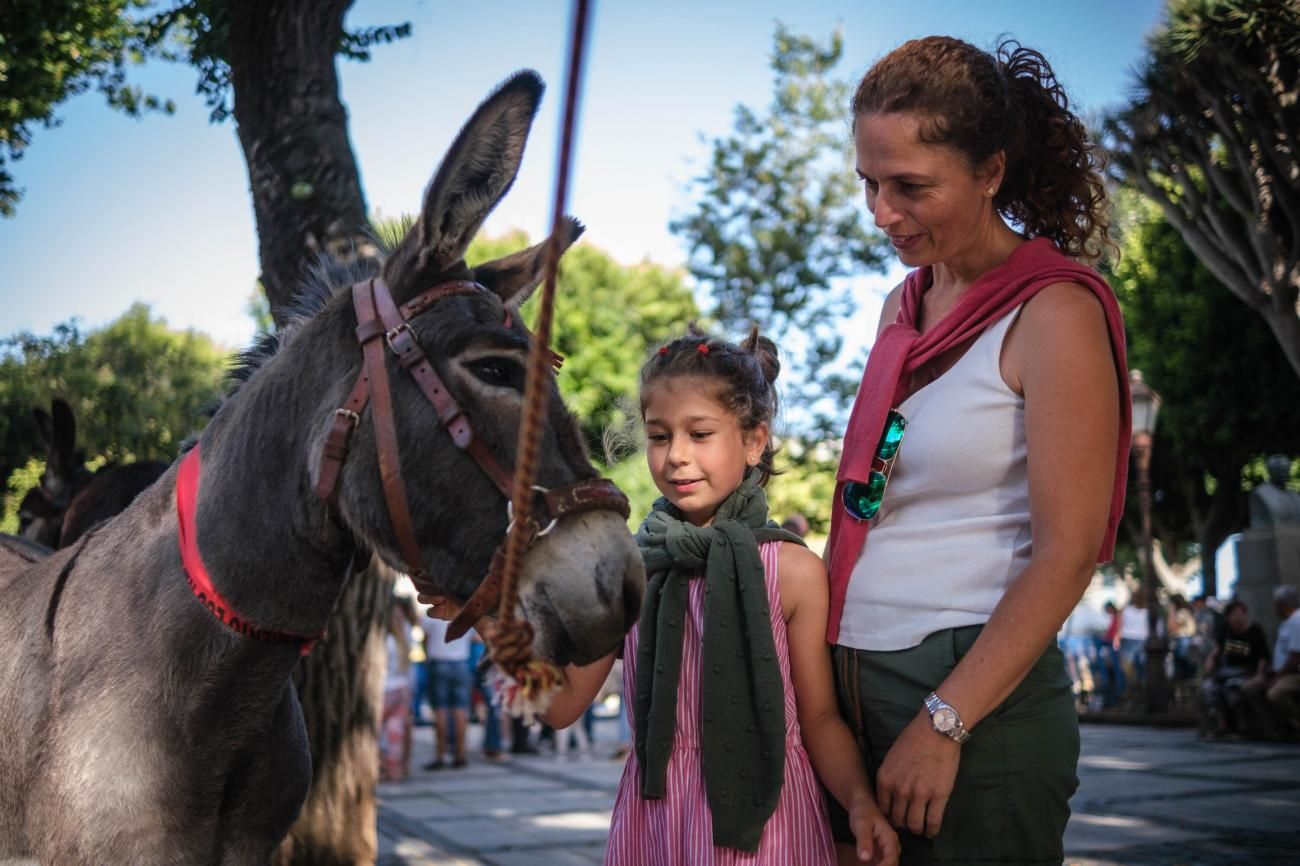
(1191, 338)
(258, 308)
(52, 50)
(806, 484)
(22, 480)
(607, 317)
(137, 388)
(779, 222)
(1210, 137)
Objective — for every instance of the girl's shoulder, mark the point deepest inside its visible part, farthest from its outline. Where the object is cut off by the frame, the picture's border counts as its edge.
(797, 557)
(800, 572)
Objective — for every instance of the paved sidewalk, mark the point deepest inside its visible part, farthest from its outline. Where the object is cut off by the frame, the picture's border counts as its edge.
(1148, 797)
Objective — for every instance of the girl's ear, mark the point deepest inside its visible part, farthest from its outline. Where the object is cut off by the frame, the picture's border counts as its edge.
(755, 442)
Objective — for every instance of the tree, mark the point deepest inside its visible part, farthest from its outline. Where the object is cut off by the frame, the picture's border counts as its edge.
(270, 65)
(137, 387)
(1211, 137)
(1189, 336)
(778, 221)
(51, 50)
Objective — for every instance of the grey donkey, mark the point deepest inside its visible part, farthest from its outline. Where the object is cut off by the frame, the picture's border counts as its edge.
(136, 727)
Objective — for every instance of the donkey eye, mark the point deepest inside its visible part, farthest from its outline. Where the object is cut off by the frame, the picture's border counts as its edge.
(501, 372)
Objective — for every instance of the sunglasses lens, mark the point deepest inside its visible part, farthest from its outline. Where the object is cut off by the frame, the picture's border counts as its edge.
(892, 437)
(862, 498)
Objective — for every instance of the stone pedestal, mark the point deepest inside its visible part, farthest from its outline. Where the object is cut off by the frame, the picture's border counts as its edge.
(1267, 558)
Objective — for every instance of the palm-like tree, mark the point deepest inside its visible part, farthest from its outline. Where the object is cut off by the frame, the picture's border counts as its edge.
(1211, 137)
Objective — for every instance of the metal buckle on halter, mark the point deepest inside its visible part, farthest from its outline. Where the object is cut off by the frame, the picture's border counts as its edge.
(510, 514)
(392, 334)
(351, 416)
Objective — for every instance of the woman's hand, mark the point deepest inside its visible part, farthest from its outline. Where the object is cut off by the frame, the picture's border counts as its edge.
(877, 843)
(440, 607)
(917, 777)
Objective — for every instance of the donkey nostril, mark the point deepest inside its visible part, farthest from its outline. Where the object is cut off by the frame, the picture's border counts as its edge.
(631, 603)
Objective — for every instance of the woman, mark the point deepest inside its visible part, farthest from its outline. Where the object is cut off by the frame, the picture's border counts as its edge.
(958, 550)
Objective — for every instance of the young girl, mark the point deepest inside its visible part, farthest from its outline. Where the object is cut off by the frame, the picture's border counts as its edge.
(733, 705)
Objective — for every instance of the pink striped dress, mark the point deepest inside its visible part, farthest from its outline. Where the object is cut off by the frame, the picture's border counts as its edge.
(678, 829)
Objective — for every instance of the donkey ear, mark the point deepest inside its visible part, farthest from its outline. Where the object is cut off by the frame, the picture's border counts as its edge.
(64, 443)
(44, 426)
(514, 277)
(477, 171)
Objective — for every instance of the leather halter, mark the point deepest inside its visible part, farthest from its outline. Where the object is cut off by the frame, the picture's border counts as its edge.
(380, 323)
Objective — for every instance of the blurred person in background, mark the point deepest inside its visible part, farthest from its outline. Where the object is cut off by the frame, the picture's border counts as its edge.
(449, 692)
(1238, 661)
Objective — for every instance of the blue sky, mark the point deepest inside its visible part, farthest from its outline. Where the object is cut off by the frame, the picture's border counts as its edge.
(158, 210)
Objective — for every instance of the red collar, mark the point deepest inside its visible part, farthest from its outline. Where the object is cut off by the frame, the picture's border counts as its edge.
(187, 493)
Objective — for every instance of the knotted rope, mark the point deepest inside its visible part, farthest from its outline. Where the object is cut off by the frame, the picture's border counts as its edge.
(530, 682)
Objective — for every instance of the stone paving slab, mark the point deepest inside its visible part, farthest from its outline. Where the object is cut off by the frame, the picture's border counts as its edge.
(1097, 787)
(1103, 833)
(1276, 811)
(1245, 851)
(1147, 797)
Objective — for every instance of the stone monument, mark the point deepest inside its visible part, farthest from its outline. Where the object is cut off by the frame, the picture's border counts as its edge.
(1268, 553)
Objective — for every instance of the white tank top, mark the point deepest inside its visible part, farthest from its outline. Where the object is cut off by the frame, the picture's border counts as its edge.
(953, 529)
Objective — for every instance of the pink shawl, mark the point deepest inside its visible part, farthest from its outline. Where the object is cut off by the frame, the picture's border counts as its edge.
(901, 349)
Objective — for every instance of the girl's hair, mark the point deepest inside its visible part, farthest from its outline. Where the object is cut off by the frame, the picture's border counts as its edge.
(744, 377)
(979, 103)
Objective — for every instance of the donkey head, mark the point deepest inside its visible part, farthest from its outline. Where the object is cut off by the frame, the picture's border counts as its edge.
(581, 584)
(41, 511)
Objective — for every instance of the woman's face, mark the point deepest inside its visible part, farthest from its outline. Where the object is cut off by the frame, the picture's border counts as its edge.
(925, 197)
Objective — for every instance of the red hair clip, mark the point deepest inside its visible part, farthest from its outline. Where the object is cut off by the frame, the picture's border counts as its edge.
(702, 348)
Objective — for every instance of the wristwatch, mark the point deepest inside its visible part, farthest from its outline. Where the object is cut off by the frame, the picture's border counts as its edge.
(945, 719)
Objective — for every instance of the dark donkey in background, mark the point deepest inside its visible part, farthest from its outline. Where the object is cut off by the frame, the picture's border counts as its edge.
(40, 514)
(71, 500)
(139, 729)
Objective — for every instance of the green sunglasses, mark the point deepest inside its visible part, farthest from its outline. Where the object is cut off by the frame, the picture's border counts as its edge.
(862, 498)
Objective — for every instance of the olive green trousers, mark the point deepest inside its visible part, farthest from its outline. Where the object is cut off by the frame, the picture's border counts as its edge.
(1010, 802)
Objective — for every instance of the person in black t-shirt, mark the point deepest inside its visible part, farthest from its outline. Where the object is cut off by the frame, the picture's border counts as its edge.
(1239, 656)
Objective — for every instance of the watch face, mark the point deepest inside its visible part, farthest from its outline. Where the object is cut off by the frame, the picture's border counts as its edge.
(945, 719)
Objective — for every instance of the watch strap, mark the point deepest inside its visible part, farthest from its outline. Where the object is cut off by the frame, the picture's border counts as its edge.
(934, 703)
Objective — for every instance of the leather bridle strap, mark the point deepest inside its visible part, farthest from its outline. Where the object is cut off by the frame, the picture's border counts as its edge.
(335, 450)
(380, 323)
(401, 339)
(369, 332)
(370, 326)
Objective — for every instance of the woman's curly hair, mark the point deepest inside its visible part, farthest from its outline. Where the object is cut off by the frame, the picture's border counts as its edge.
(979, 103)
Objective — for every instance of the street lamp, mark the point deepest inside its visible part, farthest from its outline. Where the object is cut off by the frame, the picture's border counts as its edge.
(1146, 405)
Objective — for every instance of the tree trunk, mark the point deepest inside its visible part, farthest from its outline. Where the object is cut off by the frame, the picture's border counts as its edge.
(1221, 516)
(306, 199)
(293, 129)
(341, 687)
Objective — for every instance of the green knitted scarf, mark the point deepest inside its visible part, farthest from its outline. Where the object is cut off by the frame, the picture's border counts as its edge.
(742, 700)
